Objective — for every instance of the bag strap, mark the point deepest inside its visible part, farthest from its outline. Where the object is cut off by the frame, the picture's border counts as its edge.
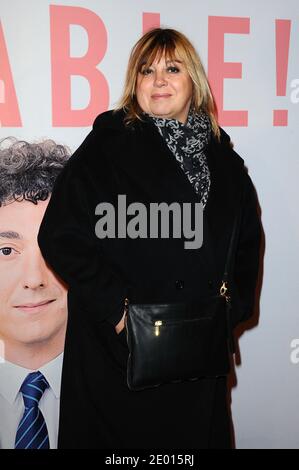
(224, 289)
(230, 248)
(229, 258)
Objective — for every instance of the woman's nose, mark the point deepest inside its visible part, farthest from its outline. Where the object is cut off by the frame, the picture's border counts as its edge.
(160, 79)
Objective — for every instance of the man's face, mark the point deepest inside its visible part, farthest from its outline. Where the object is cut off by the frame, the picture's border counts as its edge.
(33, 301)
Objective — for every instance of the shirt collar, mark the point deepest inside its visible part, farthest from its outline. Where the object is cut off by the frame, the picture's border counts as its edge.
(52, 372)
(12, 377)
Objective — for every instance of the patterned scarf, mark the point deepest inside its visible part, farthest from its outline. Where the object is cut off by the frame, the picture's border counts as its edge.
(188, 143)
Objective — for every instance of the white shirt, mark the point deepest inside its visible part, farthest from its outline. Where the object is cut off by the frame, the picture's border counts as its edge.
(12, 404)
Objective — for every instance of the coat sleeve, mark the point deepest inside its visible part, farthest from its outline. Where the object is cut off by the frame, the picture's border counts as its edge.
(247, 257)
(68, 242)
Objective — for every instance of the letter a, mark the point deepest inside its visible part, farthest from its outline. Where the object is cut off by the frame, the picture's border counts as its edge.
(9, 109)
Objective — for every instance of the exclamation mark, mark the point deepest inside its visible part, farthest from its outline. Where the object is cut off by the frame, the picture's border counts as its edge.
(282, 30)
(2, 94)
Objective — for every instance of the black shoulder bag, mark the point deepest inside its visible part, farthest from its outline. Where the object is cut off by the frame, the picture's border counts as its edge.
(177, 342)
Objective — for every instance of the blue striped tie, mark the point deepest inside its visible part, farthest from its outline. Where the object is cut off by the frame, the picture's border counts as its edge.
(32, 432)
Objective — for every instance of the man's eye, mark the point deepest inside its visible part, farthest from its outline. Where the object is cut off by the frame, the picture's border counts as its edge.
(6, 251)
(172, 69)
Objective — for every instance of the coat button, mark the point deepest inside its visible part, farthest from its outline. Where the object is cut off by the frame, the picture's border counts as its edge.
(179, 284)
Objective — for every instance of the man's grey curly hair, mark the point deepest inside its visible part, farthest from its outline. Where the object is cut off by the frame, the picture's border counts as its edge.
(28, 171)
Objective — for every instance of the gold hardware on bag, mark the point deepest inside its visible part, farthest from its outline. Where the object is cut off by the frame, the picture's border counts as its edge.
(224, 291)
(158, 323)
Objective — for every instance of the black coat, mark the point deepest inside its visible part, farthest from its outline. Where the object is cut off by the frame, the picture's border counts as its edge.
(97, 409)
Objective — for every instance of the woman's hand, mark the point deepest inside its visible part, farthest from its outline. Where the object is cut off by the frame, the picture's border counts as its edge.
(120, 326)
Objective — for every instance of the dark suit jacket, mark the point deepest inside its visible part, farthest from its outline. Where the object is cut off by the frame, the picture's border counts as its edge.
(135, 161)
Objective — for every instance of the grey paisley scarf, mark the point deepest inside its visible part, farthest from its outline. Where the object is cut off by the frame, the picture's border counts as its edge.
(188, 142)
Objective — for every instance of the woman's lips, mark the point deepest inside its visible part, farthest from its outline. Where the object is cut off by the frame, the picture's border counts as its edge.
(158, 96)
(32, 307)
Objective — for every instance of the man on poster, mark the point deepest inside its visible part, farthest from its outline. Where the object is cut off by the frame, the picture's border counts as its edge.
(33, 300)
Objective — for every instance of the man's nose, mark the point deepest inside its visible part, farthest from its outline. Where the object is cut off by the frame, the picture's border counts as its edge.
(35, 271)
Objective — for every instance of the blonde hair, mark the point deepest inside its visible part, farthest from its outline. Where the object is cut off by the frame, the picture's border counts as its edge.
(153, 45)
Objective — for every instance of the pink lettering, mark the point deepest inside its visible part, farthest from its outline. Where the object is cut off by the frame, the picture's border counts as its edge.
(218, 70)
(283, 31)
(9, 109)
(150, 21)
(64, 66)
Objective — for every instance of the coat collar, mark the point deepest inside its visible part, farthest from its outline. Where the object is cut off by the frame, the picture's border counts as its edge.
(147, 159)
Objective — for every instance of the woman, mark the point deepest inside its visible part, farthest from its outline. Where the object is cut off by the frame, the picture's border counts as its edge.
(162, 144)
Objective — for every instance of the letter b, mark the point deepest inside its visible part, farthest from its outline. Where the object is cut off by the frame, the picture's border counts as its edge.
(64, 66)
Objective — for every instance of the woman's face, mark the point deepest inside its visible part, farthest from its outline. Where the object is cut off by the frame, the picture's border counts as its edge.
(164, 89)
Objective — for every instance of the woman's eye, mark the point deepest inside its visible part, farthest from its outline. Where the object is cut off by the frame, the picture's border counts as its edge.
(146, 71)
(173, 69)
(6, 251)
